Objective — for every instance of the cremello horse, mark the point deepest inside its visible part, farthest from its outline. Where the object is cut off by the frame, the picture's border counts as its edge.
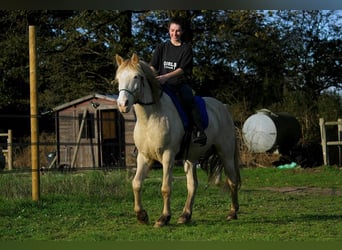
(158, 134)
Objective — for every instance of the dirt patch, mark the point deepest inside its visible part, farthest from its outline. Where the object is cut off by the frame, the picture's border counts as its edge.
(305, 190)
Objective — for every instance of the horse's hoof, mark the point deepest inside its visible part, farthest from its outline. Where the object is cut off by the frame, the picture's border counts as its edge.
(162, 221)
(142, 217)
(232, 215)
(184, 218)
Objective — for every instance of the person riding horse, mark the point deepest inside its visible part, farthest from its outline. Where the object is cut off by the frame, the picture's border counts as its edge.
(158, 133)
(172, 61)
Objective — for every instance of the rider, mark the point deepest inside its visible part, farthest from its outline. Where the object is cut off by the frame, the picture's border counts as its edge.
(173, 62)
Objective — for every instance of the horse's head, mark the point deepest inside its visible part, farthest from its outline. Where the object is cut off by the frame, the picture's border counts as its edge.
(130, 80)
(132, 74)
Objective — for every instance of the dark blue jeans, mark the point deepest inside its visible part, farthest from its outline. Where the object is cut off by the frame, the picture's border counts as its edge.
(185, 96)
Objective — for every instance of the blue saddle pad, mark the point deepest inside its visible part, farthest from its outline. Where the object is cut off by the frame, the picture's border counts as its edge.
(199, 102)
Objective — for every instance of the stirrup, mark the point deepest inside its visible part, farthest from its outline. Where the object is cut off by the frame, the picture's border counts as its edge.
(200, 138)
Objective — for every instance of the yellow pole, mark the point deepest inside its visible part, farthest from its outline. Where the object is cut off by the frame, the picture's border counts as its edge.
(34, 115)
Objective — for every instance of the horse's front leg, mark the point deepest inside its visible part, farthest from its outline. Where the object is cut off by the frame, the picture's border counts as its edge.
(192, 183)
(142, 169)
(166, 189)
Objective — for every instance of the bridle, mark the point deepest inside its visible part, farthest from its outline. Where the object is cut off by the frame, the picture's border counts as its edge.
(132, 93)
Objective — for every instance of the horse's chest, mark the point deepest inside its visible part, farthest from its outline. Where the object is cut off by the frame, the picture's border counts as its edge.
(153, 134)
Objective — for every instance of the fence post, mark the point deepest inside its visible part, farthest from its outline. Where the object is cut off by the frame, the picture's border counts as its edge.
(339, 131)
(34, 115)
(9, 150)
(323, 141)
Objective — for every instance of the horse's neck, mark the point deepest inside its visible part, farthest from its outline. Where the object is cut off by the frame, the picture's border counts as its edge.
(150, 113)
(144, 112)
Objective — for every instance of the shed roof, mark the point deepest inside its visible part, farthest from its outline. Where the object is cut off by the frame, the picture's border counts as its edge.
(109, 97)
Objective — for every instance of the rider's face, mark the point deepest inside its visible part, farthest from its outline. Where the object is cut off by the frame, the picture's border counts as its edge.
(175, 32)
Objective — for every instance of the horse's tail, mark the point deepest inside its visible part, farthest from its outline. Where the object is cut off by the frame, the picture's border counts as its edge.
(212, 164)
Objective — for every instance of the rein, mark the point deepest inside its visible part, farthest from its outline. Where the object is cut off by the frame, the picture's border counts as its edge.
(140, 102)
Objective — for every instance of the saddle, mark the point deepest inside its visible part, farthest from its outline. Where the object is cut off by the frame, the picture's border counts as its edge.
(187, 123)
(199, 101)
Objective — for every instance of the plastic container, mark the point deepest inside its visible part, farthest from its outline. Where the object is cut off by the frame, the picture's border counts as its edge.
(266, 131)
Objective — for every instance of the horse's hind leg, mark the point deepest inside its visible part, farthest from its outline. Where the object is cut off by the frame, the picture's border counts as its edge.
(192, 183)
(233, 181)
(233, 186)
(232, 173)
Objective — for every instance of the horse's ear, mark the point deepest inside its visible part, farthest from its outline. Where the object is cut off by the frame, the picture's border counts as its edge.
(135, 59)
(118, 59)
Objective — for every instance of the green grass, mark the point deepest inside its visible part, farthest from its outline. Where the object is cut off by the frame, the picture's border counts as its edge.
(98, 206)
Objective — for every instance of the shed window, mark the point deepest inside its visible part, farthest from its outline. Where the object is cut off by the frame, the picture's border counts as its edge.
(88, 127)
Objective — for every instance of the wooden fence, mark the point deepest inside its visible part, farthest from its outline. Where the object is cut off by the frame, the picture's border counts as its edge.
(8, 152)
(326, 144)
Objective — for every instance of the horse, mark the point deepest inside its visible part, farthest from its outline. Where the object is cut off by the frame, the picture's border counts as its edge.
(158, 134)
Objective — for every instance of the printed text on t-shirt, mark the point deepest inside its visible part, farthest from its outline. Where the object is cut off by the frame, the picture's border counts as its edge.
(170, 65)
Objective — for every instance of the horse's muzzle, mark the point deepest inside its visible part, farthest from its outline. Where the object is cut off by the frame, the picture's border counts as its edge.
(124, 109)
(123, 104)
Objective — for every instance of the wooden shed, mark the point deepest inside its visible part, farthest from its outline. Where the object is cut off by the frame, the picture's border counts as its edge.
(91, 132)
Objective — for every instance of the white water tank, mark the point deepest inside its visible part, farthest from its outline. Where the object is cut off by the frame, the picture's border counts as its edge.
(266, 131)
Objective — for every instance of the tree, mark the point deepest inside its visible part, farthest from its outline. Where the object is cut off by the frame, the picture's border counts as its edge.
(249, 58)
(242, 47)
(312, 48)
(80, 59)
(75, 56)
(14, 91)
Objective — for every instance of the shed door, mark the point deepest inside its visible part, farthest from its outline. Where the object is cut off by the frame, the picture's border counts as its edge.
(112, 138)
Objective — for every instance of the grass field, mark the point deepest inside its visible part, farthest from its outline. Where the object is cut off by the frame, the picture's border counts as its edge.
(300, 205)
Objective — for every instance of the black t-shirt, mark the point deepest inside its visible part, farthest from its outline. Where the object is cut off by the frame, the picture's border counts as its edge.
(167, 58)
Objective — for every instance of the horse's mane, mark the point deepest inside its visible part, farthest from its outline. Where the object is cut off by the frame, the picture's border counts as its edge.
(151, 78)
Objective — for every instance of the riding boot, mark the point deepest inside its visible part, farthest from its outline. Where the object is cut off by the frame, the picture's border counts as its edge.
(200, 137)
